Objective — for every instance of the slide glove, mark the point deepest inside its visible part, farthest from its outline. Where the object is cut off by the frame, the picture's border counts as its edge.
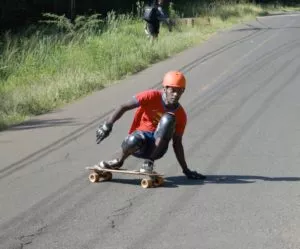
(103, 132)
(193, 175)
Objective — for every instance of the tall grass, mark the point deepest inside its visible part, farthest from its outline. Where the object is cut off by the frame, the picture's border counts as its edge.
(64, 61)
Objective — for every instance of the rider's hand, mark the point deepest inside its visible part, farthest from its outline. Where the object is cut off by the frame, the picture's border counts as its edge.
(193, 175)
(103, 132)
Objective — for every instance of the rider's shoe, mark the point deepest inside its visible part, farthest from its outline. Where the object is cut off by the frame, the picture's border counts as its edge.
(110, 164)
(147, 166)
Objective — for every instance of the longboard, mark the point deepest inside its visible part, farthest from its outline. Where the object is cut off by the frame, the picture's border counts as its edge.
(153, 179)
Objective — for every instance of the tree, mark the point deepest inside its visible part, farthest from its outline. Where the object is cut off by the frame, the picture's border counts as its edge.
(73, 9)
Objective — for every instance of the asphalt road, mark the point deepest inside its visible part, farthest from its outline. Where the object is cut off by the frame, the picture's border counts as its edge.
(243, 107)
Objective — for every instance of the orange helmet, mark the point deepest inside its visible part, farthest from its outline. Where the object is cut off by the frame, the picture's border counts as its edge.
(174, 79)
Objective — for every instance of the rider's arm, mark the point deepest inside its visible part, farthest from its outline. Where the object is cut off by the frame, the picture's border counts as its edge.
(104, 130)
(161, 15)
(131, 104)
(179, 152)
(178, 148)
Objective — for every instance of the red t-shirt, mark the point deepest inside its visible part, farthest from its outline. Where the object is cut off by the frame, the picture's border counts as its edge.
(151, 108)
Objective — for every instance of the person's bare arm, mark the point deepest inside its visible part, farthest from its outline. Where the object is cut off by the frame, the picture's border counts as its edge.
(118, 113)
(104, 130)
(179, 152)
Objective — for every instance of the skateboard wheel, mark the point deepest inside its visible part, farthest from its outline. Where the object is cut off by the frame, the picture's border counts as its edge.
(146, 183)
(94, 177)
(107, 176)
(158, 181)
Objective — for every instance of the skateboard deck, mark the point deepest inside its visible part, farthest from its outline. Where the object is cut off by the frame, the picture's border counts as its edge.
(151, 179)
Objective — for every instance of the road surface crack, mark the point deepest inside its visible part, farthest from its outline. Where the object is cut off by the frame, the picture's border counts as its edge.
(28, 239)
(119, 212)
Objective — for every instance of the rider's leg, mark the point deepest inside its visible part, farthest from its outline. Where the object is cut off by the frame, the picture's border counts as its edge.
(130, 145)
(162, 135)
(153, 30)
(146, 28)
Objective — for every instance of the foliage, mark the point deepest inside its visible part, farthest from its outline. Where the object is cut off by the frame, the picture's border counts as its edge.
(173, 14)
(83, 25)
(140, 6)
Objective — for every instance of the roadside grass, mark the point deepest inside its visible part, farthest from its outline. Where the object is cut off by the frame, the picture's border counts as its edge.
(44, 70)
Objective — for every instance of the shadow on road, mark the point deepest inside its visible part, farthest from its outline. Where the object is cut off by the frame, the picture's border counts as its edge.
(281, 14)
(258, 29)
(252, 27)
(265, 26)
(176, 181)
(229, 179)
(35, 123)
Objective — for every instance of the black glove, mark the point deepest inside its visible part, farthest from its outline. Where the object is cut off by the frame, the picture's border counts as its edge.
(103, 132)
(193, 175)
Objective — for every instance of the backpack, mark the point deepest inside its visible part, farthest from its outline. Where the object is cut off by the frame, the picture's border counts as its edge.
(150, 13)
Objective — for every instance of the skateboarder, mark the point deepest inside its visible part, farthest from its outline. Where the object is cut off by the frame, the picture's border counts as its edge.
(159, 118)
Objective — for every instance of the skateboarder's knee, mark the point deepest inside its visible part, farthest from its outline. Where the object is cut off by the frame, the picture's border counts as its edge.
(166, 126)
(133, 142)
